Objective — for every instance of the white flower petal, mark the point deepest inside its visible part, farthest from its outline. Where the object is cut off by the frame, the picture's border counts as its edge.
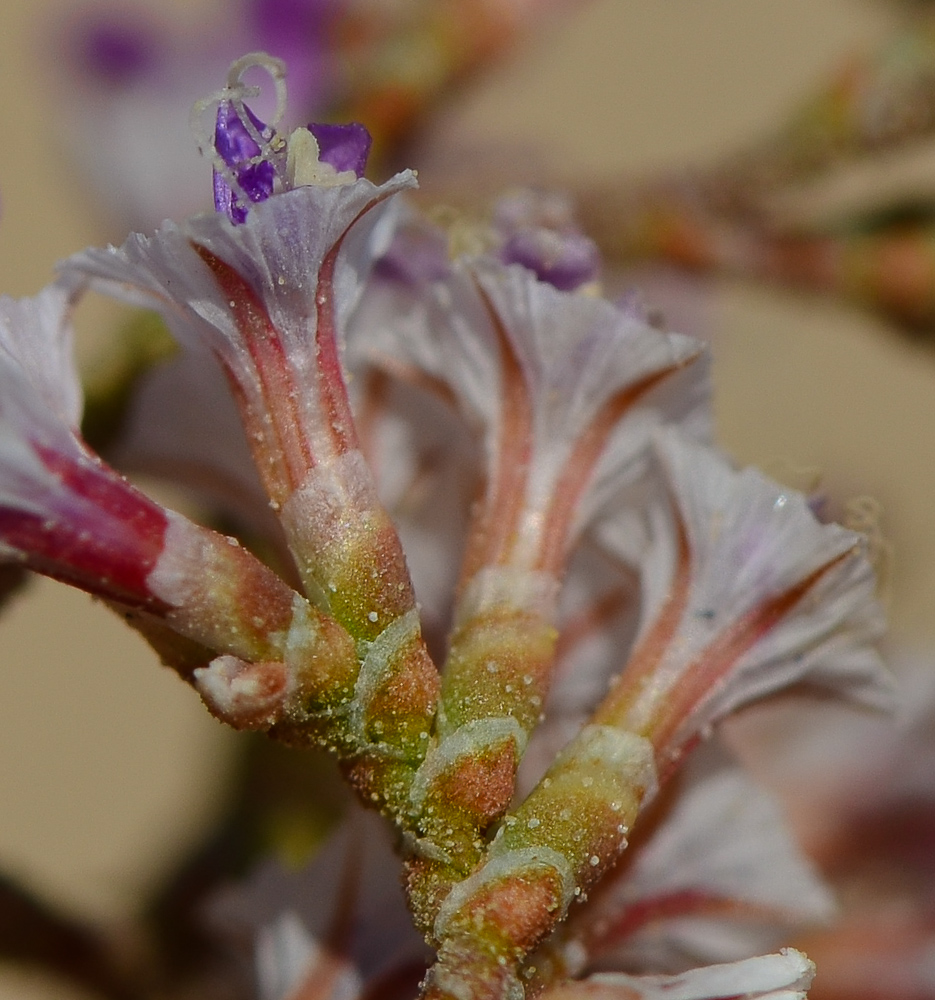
(36, 336)
(726, 837)
(257, 295)
(352, 882)
(773, 596)
(578, 352)
(278, 252)
(40, 401)
(785, 976)
(493, 335)
(182, 425)
(285, 952)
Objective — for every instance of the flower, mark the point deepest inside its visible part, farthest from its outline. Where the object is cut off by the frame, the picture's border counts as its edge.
(256, 294)
(125, 73)
(745, 593)
(265, 284)
(197, 596)
(589, 427)
(755, 595)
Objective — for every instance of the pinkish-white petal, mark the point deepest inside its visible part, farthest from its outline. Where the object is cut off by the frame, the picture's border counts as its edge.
(65, 513)
(292, 964)
(182, 425)
(569, 382)
(278, 253)
(36, 336)
(426, 474)
(756, 596)
(40, 407)
(269, 299)
(784, 976)
(577, 354)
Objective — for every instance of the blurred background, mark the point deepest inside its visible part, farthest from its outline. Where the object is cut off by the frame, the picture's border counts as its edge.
(109, 765)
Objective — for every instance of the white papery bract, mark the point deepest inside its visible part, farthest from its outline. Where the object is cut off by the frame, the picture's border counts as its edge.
(339, 923)
(66, 513)
(40, 405)
(545, 378)
(36, 337)
(263, 296)
(745, 593)
(785, 976)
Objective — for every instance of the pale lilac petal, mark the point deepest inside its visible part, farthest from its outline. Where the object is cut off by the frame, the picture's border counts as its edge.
(425, 467)
(288, 960)
(565, 261)
(574, 352)
(751, 542)
(276, 255)
(858, 787)
(417, 256)
(40, 408)
(182, 425)
(278, 251)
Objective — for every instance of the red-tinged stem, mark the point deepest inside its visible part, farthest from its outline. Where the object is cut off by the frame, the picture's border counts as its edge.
(98, 533)
(167, 575)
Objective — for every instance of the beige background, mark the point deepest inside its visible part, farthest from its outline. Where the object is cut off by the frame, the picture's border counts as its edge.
(107, 763)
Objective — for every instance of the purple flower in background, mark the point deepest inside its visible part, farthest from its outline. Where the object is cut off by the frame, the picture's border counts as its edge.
(118, 51)
(538, 230)
(565, 260)
(296, 31)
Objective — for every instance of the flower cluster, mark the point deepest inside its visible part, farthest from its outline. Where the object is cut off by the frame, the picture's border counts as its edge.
(502, 532)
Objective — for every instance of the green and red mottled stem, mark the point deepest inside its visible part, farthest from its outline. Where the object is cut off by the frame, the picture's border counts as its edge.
(499, 667)
(551, 851)
(573, 826)
(379, 717)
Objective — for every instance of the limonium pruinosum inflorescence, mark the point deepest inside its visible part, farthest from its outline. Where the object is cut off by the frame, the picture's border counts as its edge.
(476, 464)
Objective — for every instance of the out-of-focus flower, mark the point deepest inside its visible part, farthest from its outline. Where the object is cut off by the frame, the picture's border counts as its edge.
(859, 792)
